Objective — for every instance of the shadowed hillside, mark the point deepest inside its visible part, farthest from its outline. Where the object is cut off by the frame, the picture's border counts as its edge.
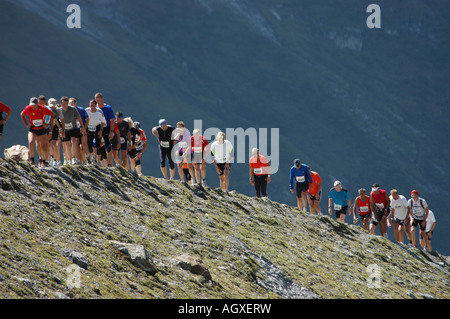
(123, 236)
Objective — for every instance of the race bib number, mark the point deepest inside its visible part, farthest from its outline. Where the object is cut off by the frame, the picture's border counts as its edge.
(258, 171)
(197, 149)
(122, 140)
(337, 207)
(69, 126)
(380, 205)
(364, 209)
(182, 145)
(165, 144)
(92, 128)
(300, 179)
(37, 123)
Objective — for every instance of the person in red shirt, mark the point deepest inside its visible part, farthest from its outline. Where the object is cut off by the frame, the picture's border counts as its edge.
(200, 149)
(37, 129)
(259, 172)
(315, 193)
(8, 111)
(363, 203)
(380, 204)
(115, 145)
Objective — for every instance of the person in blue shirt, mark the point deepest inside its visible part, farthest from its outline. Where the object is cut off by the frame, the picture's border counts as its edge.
(302, 176)
(339, 200)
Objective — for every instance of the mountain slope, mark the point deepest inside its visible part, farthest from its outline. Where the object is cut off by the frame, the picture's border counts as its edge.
(92, 219)
(358, 105)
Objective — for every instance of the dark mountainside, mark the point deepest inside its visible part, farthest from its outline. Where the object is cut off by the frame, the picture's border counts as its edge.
(91, 232)
(360, 105)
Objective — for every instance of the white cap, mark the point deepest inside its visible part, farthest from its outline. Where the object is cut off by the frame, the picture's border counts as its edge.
(337, 183)
(52, 102)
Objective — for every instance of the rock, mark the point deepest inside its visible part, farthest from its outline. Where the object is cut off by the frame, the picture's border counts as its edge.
(60, 295)
(274, 279)
(25, 281)
(194, 265)
(411, 295)
(75, 257)
(138, 254)
(426, 296)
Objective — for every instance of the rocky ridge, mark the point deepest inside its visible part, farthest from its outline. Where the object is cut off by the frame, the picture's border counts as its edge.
(90, 232)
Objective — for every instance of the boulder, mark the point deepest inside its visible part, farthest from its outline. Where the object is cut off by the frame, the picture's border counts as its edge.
(194, 265)
(75, 257)
(138, 254)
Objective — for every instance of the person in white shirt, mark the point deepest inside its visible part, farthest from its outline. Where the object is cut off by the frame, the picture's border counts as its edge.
(94, 123)
(399, 213)
(419, 213)
(222, 153)
(431, 223)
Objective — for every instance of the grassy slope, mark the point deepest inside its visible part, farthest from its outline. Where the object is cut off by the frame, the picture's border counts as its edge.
(74, 208)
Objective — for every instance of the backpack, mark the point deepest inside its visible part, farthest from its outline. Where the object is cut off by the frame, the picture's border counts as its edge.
(421, 203)
(17, 153)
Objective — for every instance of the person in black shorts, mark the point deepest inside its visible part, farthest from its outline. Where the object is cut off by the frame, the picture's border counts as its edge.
(54, 137)
(163, 133)
(124, 140)
(8, 111)
(302, 176)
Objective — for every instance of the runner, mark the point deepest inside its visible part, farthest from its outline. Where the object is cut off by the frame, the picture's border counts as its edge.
(199, 152)
(114, 144)
(339, 199)
(37, 134)
(70, 132)
(302, 176)
(124, 140)
(431, 224)
(45, 157)
(380, 203)
(182, 139)
(259, 173)
(164, 134)
(315, 193)
(95, 124)
(186, 171)
(399, 213)
(108, 133)
(84, 150)
(222, 153)
(419, 213)
(141, 145)
(8, 111)
(363, 203)
(54, 138)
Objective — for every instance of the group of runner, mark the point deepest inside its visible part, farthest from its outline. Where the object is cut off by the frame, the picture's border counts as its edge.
(189, 152)
(98, 135)
(91, 135)
(377, 209)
